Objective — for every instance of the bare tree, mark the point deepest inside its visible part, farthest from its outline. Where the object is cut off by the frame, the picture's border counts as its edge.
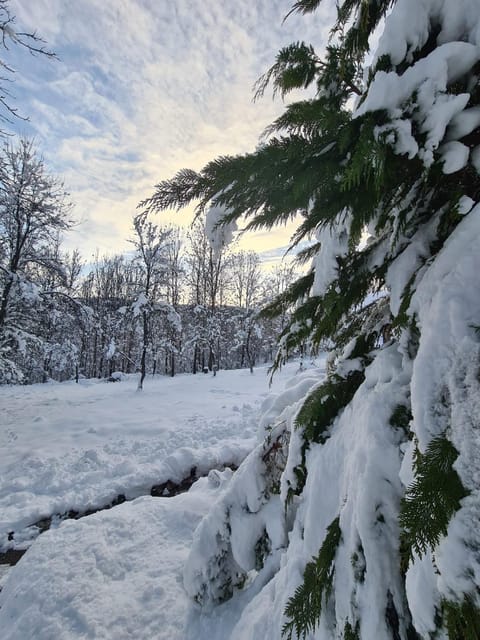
(150, 245)
(11, 36)
(207, 276)
(73, 264)
(174, 266)
(33, 211)
(246, 281)
(111, 285)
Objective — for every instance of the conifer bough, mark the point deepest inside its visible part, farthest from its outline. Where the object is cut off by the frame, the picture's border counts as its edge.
(384, 452)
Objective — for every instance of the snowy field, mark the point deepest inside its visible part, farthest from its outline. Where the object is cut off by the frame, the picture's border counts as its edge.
(118, 573)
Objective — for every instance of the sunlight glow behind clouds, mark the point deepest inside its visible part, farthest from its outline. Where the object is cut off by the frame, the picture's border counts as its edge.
(145, 88)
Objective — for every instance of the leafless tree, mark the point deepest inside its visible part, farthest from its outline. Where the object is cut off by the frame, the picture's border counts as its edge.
(246, 279)
(11, 36)
(33, 211)
(150, 244)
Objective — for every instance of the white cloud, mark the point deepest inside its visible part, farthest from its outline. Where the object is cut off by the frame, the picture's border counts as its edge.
(144, 88)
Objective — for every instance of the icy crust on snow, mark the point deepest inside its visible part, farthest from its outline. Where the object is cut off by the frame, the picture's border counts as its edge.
(446, 401)
(114, 575)
(355, 476)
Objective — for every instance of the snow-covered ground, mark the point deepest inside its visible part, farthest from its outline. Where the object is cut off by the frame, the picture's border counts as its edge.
(68, 446)
(117, 574)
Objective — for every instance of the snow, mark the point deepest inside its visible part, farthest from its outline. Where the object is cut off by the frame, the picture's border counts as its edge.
(112, 575)
(220, 234)
(77, 446)
(475, 158)
(464, 123)
(465, 205)
(193, 566)
(454, 156)
(111, 349)
(447, 306)
(421, 94)
(407, 262)
(428, 79)
(402, 35)
(140, 304)
(429, 76)
(333, 244)
(118, 573)
(420, 587)
(248, 507)
(354, 475)
(451, 282)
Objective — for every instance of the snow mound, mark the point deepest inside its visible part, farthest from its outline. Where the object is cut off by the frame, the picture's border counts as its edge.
(114, 575)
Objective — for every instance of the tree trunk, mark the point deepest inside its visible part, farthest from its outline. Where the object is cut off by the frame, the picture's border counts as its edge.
(93, 372)
(247, 349)
(144, 352)
(195, 356)
(5, 297)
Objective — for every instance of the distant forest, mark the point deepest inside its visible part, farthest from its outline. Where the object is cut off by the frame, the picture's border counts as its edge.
(172, 304)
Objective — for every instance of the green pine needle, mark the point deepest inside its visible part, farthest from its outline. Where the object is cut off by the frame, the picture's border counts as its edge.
(304, 608)
(432, 499)
(462, 619)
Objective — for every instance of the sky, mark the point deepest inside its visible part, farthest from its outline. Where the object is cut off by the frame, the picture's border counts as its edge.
(144, 88)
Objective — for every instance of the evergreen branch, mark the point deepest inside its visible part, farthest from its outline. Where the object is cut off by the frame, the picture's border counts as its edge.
(325, 403)
(361, 19)
(304, 608)
(176, 193)
(462, 619)
(307, 254)
(351, 633)
(311, 118)
(303, 7)
(432, 499)
(295, 67)
(298, 289)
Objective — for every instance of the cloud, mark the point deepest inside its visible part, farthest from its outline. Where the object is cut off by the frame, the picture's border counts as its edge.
(145, 88)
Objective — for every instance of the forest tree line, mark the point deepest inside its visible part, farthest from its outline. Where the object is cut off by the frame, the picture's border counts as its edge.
(171, 304)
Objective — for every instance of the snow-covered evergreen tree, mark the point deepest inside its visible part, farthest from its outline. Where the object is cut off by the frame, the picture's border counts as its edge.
(370, 529)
